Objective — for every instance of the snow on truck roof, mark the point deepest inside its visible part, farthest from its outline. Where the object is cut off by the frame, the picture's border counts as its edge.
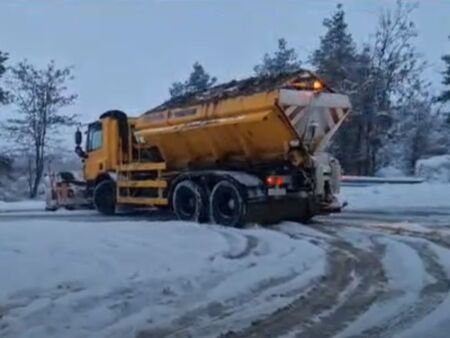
(234, 88)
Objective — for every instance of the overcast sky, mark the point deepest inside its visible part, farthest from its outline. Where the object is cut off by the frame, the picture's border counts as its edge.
(127, 53)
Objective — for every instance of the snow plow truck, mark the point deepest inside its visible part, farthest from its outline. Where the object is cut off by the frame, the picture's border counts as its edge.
(245, 151)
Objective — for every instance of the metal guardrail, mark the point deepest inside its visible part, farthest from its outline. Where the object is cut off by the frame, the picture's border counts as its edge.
(364, 181)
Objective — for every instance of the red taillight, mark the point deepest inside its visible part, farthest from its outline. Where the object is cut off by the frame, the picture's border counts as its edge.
(279, 181)
(272, 181)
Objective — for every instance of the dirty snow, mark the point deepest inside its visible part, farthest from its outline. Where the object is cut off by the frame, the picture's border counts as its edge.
(73, 279)
(397, 227)
(389, 196)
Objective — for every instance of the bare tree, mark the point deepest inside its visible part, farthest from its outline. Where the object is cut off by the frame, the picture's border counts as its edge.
(395, 56)
(397, 67)
(38, 96)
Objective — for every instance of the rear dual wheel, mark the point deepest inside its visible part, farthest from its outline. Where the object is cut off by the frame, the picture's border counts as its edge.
(190, 202)
(224, 205)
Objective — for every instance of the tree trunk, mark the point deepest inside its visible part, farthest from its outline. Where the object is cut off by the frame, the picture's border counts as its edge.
(30, 177)
(38, 171)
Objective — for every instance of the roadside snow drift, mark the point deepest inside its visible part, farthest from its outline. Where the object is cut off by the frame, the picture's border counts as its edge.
(436, 168)
(115, 279)
(22, 205)
(400, 196)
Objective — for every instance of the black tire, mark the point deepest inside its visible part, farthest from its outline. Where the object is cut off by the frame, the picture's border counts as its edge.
(105, 197)
(227, 205)
(190, 202)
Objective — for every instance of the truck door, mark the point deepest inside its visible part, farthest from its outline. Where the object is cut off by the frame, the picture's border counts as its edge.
(96, 154)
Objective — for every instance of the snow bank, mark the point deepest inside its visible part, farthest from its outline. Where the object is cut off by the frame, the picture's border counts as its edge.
(435, 168)
(73, 279)
(27, 205)
(390, 171)
(388, 196)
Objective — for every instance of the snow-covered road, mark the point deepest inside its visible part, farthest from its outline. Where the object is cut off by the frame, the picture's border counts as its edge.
(379, 269)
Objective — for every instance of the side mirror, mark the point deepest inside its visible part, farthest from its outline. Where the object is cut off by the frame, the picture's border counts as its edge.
(80, 152)
(78, 137)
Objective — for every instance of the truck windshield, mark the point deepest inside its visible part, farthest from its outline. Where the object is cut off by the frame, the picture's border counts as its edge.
(95, 137)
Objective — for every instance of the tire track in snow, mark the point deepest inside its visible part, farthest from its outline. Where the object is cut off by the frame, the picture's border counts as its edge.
(207, 319)
(429, 297)
(234, 241)
(215, 312)
(353, 274)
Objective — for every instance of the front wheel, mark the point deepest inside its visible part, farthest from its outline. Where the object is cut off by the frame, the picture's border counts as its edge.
(227, 205)
(105, 197)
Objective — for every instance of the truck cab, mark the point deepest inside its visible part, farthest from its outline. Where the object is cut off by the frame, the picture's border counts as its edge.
(106, 139)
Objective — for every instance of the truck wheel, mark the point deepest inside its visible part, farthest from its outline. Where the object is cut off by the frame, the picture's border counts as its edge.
(105, 197)
(226, 205)
(189, 202)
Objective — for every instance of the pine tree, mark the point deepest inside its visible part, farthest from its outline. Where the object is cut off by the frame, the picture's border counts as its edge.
(338, 63)
(445, 96)
(3, 93)
(336, 56)
(199, 80)
(283, 60)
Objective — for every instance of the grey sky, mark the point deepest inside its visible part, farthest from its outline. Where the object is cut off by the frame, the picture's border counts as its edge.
(127, 53)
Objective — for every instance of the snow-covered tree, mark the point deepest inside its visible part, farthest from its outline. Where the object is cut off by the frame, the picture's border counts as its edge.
(283, 60)
(400, 89)
(198, 80)
(385, 84)
(335, 58)
(413, 129)
(5, 160)
(5, 164)
(445, 96)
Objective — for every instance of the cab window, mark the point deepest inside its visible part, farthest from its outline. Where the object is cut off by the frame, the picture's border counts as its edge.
(95, 137)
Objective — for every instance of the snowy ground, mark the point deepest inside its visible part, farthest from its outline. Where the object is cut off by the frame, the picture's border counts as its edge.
(379, 269)
(74, 279)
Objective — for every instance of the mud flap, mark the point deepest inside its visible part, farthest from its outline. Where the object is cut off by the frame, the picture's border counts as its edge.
(278, 210)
